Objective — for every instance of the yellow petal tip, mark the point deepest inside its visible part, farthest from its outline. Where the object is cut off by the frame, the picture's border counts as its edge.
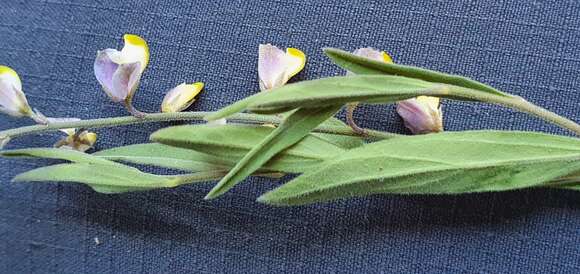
(134, 39)
(386, 57)
(7, 70)
(300, 60)
(136, 47)
(91, 137)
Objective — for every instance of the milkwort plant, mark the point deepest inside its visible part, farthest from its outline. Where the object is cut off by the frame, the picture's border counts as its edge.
(291, 129)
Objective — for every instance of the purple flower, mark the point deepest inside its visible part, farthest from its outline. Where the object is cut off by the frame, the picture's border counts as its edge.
(421, 115)
(276, 67)
(119, 72)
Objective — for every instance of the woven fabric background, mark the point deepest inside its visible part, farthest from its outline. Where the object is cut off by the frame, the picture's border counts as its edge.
(529, 48)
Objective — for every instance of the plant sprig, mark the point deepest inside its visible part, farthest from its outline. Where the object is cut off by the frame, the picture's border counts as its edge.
(332, 161)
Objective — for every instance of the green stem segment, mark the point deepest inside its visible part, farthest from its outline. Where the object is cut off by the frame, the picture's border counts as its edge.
(514, 102)
(179, 116)
(519, 103)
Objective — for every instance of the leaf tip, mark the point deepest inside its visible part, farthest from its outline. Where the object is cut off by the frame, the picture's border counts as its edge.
(269, 199)
(19, 178)
(211, 195)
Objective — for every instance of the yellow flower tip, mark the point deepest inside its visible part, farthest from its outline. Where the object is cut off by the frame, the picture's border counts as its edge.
(90, 138)
(134, 40)
(181, 97)
(198, 86)
(297, 61)
(5, 70)
(136, 49)
(386, 57)
(10, 75)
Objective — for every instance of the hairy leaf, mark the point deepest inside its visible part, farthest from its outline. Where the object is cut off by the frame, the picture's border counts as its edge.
(232, 142)
(360, 65)
(332, 91)
(56, 153)
(445, 163)
(293, 129)
(166, 156)
(372, 89)
(102, 178)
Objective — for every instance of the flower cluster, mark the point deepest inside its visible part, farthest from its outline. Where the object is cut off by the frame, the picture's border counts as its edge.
(119, 73)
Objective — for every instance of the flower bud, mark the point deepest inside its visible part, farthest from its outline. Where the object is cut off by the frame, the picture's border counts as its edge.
(421, 115)
(12, 100)
(374, 54)
(81, 141)
(181, 97)
(276, 67)
(76, 139)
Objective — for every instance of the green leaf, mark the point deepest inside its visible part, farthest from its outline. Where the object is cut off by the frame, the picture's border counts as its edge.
(293, 129)
(102, 178)
(166, 156)
(372, 89)
(233, 141)
(346, 142)
(333, 91)
(361, 65)
(56, 153)
(444, 163)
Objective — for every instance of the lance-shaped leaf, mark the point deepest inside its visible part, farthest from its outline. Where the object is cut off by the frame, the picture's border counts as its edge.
(102, 178)
(444, 163)
(56, 153)
(232, 142)
(361, 65)
(166, 156)
(293, 129)
(331, 91)
(373, 89)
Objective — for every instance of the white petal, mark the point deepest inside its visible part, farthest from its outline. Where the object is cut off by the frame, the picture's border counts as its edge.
(135, 50)
(370, 53)
(12, 100)
(10, 76)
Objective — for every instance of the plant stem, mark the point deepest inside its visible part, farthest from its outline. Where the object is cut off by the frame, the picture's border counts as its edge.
(179, 116)
(519, 103)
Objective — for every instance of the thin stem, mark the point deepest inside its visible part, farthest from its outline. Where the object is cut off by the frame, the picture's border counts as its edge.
(179, 116)
(350, 119)
(523, 105)
(519, 103)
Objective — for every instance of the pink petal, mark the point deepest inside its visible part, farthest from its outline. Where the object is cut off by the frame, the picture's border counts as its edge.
(125, 81)
(105, 68)
(271, 67)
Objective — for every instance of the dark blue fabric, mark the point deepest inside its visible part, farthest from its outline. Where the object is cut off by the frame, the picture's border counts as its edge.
(529, 48)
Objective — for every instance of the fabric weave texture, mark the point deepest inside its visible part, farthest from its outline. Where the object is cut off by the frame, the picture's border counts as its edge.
(529, 48)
